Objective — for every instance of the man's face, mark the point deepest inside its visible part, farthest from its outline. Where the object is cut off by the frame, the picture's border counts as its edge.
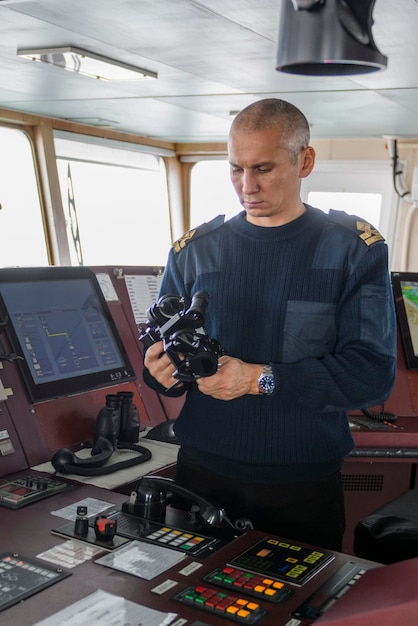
(264, 177)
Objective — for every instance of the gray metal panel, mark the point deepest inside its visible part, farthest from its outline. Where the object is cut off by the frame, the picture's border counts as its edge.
(211, 56)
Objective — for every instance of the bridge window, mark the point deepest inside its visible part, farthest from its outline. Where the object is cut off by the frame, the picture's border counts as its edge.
(23, 240)
(116, 201)
(211, 192)
(363, 188)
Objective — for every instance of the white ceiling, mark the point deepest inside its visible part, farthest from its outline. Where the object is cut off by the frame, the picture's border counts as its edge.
(211, 56)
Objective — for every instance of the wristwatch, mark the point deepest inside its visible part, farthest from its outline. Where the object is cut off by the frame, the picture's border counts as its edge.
(266, 382)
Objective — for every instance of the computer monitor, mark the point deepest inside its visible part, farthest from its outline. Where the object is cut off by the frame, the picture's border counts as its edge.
(59, 322)
(405, 289)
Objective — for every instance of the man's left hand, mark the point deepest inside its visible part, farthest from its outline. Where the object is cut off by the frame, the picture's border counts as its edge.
(234, 379)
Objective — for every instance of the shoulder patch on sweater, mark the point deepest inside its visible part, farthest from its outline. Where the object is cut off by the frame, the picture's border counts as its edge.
(367, 233)
(207, 227)
(182, 242)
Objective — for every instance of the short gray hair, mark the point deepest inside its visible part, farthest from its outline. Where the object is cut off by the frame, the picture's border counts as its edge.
(274, 113)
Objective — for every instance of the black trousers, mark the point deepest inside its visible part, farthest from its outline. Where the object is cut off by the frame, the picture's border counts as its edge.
(310, 512)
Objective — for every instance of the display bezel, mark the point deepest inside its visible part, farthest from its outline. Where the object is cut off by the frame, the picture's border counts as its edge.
(67, 280)
(399, 280)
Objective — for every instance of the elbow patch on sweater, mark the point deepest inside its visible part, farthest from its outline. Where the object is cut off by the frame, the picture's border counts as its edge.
(376, 327)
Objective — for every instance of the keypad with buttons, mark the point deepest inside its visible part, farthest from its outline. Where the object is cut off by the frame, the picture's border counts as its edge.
(249, 584)
(222, 603)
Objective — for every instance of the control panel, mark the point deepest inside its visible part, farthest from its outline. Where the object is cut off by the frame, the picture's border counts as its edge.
(193, 543)
(23, 491)
(261, 587)
(21, 577)
(226, 605)
(200, 573)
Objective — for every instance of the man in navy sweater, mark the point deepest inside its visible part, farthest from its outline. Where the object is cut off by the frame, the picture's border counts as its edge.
(301, 302)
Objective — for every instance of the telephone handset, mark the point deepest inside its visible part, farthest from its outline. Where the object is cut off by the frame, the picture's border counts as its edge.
(153, 493)
(116, 428)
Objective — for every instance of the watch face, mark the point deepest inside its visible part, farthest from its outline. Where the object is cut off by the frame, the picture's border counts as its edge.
(266, 384)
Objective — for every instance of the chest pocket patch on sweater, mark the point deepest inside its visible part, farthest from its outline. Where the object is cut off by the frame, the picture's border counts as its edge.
(309, 330)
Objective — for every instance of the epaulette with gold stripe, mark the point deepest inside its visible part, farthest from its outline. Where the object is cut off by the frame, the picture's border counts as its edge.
(207, 227)
(367, 233)
(182, 242)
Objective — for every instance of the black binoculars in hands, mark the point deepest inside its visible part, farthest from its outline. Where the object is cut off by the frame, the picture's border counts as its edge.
(185, 340)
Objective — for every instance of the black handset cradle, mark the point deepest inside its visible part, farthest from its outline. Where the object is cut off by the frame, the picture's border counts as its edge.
(65, 461)
(116, 428)
(153, 493)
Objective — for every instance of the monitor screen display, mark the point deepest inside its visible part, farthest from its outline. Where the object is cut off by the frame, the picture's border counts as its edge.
(58, 320)
(405, 289)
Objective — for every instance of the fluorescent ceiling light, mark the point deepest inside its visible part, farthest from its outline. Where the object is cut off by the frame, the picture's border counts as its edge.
(87, 63)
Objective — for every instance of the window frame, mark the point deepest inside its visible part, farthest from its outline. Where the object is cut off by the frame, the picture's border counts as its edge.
(359, 177)
(30, 131)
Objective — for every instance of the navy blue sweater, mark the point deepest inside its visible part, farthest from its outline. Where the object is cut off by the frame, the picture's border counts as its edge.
(313, 299)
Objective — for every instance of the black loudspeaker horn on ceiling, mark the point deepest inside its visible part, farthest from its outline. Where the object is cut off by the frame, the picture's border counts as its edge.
(327, 38)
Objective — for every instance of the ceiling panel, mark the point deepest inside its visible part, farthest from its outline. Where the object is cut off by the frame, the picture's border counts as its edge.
(211, 56)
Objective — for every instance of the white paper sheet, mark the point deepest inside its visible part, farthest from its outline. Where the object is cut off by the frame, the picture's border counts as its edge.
(107, 609)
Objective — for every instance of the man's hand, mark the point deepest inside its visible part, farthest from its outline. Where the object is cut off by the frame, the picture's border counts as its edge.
(159, 365)
(233, 379)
